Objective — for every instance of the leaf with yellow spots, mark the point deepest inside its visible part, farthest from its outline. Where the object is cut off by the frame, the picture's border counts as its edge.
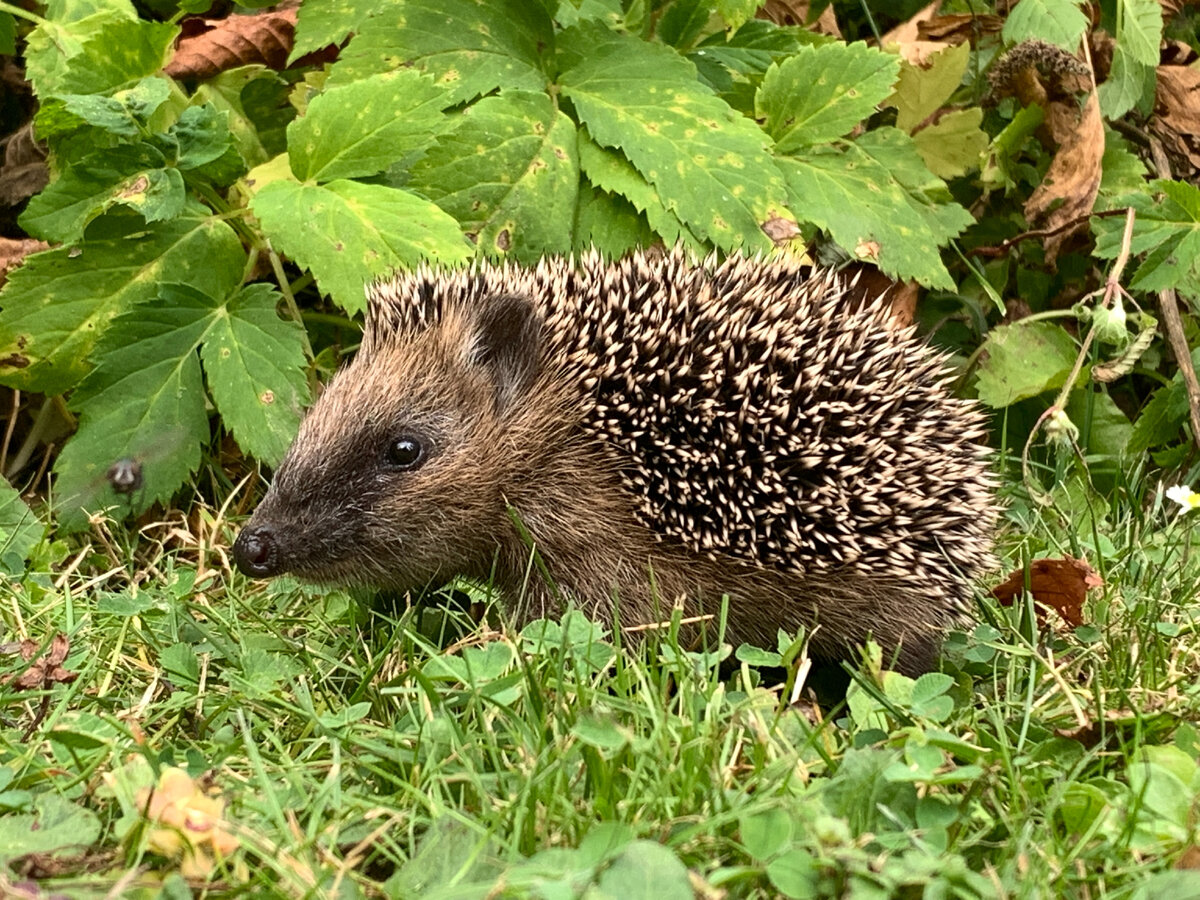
(708, 163)
(879, 201)
(508, 171)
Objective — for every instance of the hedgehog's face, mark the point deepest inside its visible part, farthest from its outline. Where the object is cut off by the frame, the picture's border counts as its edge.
(399, 473)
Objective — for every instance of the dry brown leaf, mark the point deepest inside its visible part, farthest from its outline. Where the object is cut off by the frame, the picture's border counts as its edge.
(869, 288)
(14, 250)
(919, 52)
(219, 44)
(907, 32)
(24, 171)
(46, 671)
(1189, 859)
(1068, 190)
(796, 12)
(1056, 584)
(959, 27)
(1176, 119)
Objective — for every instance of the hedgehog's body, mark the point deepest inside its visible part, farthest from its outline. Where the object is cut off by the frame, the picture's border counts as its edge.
(665, 432)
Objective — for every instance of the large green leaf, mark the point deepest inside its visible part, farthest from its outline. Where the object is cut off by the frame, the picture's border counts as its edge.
(125, 113)
(508, 171)
(821, 93)
(609, 223)
(257, 113)
(609, 170)
(470, 48)
(254, 361)
(133, 175)
(320, 23)
(1024, 360)
(59, 302)
(145, 402)
(1167, 230)
(348, 233)
(365, 127)
(97, 54)
(879, 202)
(708, 163)
(1060, 22)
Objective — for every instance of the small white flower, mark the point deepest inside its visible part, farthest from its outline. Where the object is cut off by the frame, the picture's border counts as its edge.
(1184, 496)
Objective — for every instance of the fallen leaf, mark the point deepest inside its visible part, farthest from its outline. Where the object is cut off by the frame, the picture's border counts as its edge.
(1068, 190)
(45, 671)
(1176, 119)
(24, 171)
(14, 250)
(211, 46)
(1060, 585)
(797, 12)
(959, 28)
(909, 31)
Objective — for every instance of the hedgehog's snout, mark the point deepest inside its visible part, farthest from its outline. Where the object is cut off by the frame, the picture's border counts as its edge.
(255, 551)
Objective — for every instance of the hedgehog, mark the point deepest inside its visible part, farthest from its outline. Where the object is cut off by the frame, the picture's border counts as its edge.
(727, 438)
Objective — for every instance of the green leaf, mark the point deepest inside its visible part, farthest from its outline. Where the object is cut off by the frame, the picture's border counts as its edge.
(508, 171)
(821, 93)
(59, 302)
(683, 22)
(320, 23)
(753, 47)
(1110, 429)
(469, 48)
(1060, 22)
(766, 833)
(144, 402)
(1141, 30)
(8, 34)
(201, 135)
(1128, 84)
(880, 203)
(734, 13)
(646, 870)
(1167, 229)
(795, 874)
(954, 144)
(20, 528)
(253, 100)
(608, 223)
(348, 233)
(126, 112)
(708, 164)
(133, 175)
(1024, 360)
(254, 361)
(365, 127)
(96, 55)
(609, 170)
(55, 824)
(923, 90)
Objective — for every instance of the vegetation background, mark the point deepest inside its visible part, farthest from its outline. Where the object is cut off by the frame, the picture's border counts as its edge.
(196, 193)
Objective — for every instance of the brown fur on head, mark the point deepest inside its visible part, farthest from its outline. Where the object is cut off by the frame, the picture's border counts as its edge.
(401, 473)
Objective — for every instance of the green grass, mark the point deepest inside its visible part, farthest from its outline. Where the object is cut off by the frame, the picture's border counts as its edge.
(357, 752)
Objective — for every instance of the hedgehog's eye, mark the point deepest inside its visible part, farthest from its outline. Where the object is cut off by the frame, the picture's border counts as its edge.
(406, 452)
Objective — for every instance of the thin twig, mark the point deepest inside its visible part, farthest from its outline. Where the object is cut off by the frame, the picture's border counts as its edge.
(1003, 247)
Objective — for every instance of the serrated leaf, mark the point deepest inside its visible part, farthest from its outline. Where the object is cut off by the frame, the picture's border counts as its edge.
(320, 23)
(132, 175)
(1060, 22)
(257, 113)
(254, 361)
(608, 223)
(922, 90)
(364, 127)
(98, 54)
(50, 46)
(1141, 30)
(20, 528)
(125, 113)
(348, 233)
(1022, 361)
(683, 22)
(954, 144)
(59, 302)
(879, 202)
(752, 48)
(143, 402)
(821, 93)
(1128, 83)
(708, 163)
(1166, 229)
(201, 136)
(469, 48)
(609, 170)
(508, 171)
(734, 13)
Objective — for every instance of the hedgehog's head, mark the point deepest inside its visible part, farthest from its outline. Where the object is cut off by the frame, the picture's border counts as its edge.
(400, 472)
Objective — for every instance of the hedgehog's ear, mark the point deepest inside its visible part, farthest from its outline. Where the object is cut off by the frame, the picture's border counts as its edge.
(506, 339)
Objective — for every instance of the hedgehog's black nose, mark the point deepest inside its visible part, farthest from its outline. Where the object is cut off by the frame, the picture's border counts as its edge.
(255, 553)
